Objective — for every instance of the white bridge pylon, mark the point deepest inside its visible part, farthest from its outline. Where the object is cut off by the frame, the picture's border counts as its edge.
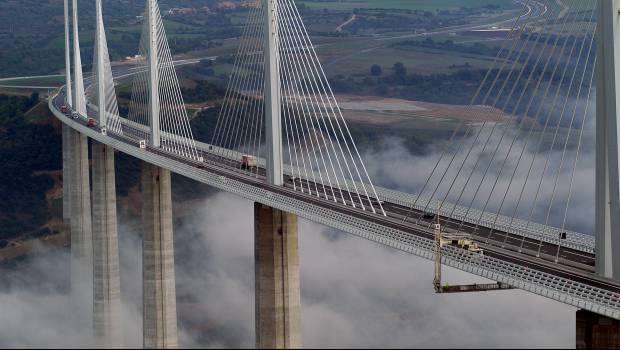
(79, 97)
(157, 105)
(103, 94)
(280, 107)
(608, 141)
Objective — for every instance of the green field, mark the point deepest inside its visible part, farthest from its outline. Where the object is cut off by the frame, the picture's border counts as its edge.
(34, 80)
(44, 81)
(426, 5)
(356, 56)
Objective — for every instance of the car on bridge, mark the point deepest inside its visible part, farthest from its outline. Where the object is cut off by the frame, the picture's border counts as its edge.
(429, 216)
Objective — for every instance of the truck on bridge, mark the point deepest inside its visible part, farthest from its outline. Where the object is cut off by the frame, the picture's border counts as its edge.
(462, 241)
(248, 161)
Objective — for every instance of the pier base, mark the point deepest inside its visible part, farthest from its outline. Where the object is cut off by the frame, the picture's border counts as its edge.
(106, 269)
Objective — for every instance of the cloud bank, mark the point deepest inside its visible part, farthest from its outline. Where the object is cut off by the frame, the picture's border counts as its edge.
(354, 294)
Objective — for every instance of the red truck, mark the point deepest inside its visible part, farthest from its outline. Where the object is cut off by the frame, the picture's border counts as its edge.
(91, 123)
(64, 109)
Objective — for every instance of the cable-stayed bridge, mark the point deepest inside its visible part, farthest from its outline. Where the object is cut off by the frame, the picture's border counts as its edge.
(282, 141)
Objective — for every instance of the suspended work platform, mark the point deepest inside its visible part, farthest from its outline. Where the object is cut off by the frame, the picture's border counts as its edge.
(462, 241)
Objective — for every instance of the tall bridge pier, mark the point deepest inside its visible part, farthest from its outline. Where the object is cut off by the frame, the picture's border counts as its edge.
(159, 293)
(106, 266)
(97, 244)
(277, 291)
(66, 180)
(66, 131)
(80, 209)
(277, 285)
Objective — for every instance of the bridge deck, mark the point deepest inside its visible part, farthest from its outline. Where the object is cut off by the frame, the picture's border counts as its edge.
(570, 280)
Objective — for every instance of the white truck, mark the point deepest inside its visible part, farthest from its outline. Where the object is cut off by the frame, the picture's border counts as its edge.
(248, 161)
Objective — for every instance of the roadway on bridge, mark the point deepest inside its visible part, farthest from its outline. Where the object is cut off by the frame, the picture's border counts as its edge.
(573, 264)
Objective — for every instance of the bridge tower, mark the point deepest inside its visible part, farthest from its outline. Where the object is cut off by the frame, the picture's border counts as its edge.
(66, 131)
(106, 265)
(100, 63)
(607, 141)
(273, 114)
(592, 330)
(69, 93)
(159, 293)
(276, 256)
(78, 189)
(153, 64)
(79, 97)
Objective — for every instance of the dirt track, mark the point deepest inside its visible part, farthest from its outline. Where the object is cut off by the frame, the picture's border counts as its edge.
(377, 110)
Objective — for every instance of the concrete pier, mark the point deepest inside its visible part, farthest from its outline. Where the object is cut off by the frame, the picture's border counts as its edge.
(66, 181)
(159, 293)
(277, 290)
(597, 332)
(106, 270)
(81, 220)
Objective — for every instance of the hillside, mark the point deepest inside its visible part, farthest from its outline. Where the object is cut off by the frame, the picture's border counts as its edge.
(32, 31)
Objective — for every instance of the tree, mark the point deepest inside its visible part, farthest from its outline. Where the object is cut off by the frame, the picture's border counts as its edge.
(399, 69)
(34, 98)
(376, 70)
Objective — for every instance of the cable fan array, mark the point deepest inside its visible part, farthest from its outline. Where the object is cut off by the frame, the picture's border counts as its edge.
(176, 134)
(110, 106)
(523, 170)
(320, 155)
